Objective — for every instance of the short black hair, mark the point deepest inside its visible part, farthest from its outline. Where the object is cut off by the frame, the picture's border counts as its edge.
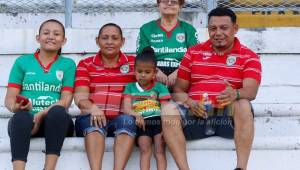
(147, 55)
(113, 25)
(221, 11)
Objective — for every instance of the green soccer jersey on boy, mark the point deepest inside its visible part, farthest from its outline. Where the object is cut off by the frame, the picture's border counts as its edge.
(147, 102)
(42, 88)
(169, 47)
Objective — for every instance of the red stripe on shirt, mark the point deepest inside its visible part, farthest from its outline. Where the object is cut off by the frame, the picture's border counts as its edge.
(18, 86)
(206, 71)
(106, 83)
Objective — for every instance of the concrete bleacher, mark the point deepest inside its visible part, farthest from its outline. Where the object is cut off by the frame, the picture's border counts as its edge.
(277, 106)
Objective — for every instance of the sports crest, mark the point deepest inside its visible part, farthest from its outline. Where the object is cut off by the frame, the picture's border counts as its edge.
(180, 37)
(124, 68)
(230, 60)
(59, 75)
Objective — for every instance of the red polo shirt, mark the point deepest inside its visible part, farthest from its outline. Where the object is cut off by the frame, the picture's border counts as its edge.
(206, 70)
(106, 83)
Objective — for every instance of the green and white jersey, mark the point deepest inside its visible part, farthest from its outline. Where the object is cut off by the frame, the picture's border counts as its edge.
(42, 88)
(169, 46)
(147, 102)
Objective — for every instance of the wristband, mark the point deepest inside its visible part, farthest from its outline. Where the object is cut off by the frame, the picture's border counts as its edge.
(238, 95)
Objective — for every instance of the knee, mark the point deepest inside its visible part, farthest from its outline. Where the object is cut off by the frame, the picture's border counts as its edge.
(22, 117)
(145, 149)
(57, 113)
(168, 110)
(127, 122)
(242, 111)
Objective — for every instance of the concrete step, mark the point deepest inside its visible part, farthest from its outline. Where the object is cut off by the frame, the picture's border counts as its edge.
(276, 146)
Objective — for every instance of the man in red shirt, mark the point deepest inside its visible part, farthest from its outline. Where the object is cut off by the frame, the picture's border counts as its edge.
(216, 81)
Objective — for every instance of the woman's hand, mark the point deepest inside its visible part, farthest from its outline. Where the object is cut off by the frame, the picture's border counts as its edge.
(161, 77)
(19, 106)
(37, 120)
(98, 118)
(140, 122)
(172, 78)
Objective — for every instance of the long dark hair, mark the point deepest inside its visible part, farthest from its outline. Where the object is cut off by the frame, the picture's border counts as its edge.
(59, 23)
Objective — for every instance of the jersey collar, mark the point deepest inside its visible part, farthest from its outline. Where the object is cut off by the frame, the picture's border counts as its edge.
(45, 68)
(122, 60)
(148, 88)
(168, 33)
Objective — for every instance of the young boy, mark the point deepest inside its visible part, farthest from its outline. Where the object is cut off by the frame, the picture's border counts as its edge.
(143, 100)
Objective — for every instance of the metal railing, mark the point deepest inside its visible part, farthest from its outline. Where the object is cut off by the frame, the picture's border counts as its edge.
(68, 7)
(261, 5)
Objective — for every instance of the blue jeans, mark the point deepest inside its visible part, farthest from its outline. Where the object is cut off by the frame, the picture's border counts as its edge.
(121, 124)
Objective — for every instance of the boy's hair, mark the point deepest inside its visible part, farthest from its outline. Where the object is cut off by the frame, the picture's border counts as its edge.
(220, 11)
(147, 55)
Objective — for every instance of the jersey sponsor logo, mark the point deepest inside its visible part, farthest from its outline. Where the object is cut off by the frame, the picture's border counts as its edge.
(168, 62)
(41, 86)
(156, 41)
(124, 68)
(230, 60)
(180, 37)
(169, 50)
(206, 55)
(157, 35)
(59, 75)
(42, 102)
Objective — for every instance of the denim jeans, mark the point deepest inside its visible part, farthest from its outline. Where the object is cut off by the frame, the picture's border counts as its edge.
(121, 124)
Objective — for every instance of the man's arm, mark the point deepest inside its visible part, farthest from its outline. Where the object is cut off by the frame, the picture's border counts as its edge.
(248, 91)
(180, 95)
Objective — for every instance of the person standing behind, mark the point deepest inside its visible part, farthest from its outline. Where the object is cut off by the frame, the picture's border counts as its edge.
(143, 100)
(45, 78)
(169, 37)
(229, 74)
(99, 84)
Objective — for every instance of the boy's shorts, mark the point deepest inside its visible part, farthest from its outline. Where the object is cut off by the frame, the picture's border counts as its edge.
(220, 119)
(152, 127)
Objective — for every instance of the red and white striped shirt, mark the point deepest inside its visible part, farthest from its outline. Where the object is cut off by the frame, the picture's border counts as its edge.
(106, 83)
(206, 70)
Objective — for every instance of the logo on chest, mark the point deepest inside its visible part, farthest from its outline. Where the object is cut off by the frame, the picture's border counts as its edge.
(231, 60)
(59, 75)
(180, 37)
(124, 68)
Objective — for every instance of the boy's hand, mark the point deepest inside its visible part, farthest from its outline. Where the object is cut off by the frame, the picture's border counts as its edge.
(140, 122)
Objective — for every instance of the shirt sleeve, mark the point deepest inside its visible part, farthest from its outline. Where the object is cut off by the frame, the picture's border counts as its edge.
(69, 76)
(82, 76)
(253, 68)
(142, 41)
(16, 75)
(184, 70)
(127, 91)
(163, 92)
